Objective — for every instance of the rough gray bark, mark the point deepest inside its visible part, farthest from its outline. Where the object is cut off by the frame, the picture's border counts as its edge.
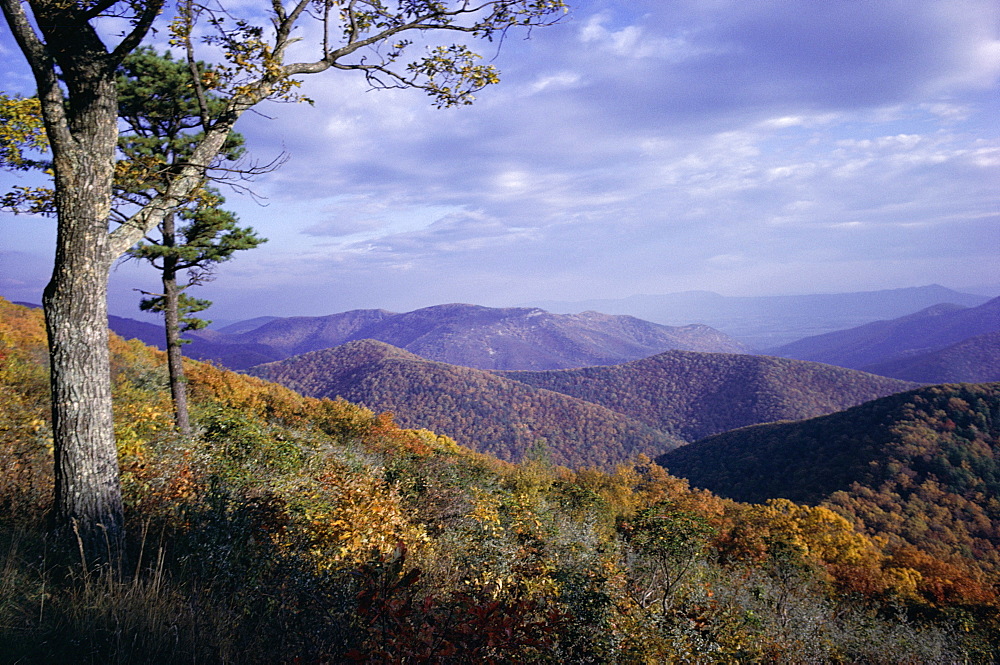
(88, 495)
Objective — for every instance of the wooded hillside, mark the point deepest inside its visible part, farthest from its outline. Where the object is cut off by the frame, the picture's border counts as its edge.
(921, 468)
(295, 529)
(694, 395)
(485, 412)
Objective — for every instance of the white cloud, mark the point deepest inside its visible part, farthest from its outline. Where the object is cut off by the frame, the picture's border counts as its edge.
(638, 42)
(558, 80)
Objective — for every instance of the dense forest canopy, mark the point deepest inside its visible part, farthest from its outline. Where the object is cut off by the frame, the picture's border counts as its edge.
(486, 412)
(920, 468)
(694, 394)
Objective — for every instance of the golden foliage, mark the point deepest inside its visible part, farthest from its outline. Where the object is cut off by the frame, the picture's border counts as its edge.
(345, 516)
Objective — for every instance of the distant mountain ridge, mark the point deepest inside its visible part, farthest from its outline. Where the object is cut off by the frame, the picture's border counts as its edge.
(245, 326)
(973, 360)
(591, 416)
(765, 322)
(884, 342)
(469, 335)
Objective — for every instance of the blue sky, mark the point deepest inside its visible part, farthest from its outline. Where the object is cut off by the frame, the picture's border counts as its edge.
(748, 148)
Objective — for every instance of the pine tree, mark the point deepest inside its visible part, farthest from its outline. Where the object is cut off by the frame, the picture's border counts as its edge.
(164, 111)
(207, 236)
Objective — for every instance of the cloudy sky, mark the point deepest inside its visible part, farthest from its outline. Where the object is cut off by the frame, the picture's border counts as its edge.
(640, 146)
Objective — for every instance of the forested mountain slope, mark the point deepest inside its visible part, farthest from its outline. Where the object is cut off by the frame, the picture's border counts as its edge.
(973, 360)
(883, 341)
(469, 335)
(478, 409)
(693, 395)
(920, 467)
(524, 338)
(299, 334)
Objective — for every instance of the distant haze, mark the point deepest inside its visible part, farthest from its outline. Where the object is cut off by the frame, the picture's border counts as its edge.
(768, 321)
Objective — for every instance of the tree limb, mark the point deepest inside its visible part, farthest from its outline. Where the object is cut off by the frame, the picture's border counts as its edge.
(142, 25)
(42, 66)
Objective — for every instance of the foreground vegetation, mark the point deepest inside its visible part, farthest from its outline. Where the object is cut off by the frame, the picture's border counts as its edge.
(292, 529)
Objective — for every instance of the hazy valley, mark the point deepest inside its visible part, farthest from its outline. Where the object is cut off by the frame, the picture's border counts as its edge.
(945, 341)
(887, 341)
(765, 322)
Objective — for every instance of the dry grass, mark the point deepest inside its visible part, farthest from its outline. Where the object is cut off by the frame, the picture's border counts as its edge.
(70, 614)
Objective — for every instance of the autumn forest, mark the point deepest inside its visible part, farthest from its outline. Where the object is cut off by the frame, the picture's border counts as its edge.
(297, 529)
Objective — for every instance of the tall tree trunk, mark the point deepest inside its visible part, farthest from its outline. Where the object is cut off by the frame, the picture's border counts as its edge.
(171, 320)
(88, 497)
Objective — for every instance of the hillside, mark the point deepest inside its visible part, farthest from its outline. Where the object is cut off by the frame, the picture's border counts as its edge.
(148, 333)
(468, 335)
(764, 322)
(973, 360)
(509, 338)
(292, 529)
(921, 467)
(478, 409)
(693, 395)
(879, 342)
(237, 327)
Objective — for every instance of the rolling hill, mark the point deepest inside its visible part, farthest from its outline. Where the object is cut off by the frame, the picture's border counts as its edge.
(596, 415)
(469, 335)
(693, 395)
(476, 408)
(919, 468)
(880, 342)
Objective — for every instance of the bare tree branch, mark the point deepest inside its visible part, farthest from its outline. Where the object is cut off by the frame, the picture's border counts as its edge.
(141, 26)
